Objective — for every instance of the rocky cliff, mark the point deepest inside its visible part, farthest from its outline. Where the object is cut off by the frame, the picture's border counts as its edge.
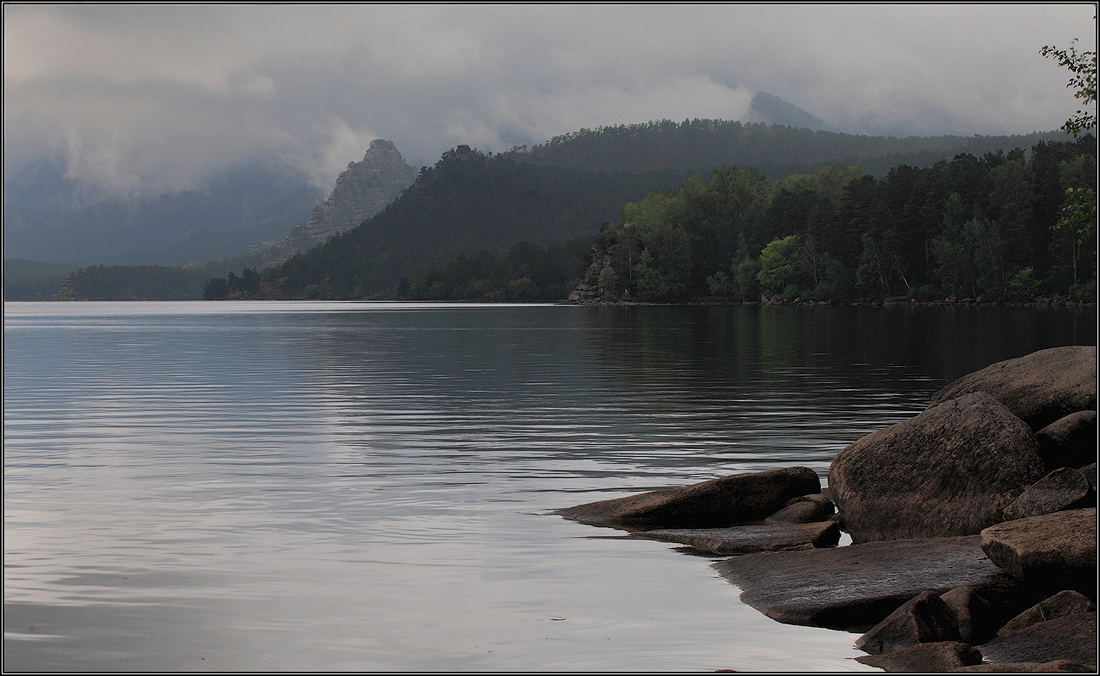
(362, 190)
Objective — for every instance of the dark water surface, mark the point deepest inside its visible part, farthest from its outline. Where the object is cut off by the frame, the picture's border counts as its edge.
(367, 486)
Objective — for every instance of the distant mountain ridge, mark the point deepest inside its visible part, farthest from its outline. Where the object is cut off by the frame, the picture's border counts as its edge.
(771, 109)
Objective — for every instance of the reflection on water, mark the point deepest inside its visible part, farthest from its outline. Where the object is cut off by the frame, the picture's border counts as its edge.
(326, 486)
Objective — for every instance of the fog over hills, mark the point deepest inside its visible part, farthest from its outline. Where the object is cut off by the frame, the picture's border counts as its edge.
(49, 217)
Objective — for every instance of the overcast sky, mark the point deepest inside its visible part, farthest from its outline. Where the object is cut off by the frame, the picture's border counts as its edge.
(158, 96)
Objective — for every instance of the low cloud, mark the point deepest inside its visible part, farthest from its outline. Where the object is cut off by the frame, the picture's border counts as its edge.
(152, 96)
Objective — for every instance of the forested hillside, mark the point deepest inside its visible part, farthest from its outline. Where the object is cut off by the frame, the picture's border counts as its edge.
(775, 150)
(468, 203)
(1002, 226)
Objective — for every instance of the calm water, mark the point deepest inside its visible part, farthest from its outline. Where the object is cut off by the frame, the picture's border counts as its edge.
(358, 486)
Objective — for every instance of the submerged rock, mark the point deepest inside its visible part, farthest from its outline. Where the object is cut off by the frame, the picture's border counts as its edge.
(858, 585)
(1040, 387)
(752, 538)
(949, 471)
(727, 501)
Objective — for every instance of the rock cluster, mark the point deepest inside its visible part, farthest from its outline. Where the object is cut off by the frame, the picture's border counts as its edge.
(973, 527)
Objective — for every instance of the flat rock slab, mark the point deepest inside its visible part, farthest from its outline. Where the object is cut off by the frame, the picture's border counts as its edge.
(1071, 637)
(1040, 387)
(718, 503)
(855, 587)
(1050, 549)
(753, 538)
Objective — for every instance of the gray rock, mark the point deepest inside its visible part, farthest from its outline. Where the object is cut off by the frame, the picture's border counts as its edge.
(855, 587)
(1039, 388)
(804, 509)
(1065, 602)
(925, 618)
(927, 658)
(1053, 550)
(974, 614)
(1064, 488)
(361, 191)
(949, 471)
(1070, 637)
(718, 503)
(1069, 441)
(753, 538)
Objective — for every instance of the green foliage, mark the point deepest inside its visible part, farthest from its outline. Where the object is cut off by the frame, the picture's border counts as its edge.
(1002, 226)
(1082, 68)
(779, 265)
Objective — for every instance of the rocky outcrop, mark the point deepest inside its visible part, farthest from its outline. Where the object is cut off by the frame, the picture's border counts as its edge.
(971, 552)
(599, 273)
(1039, 388)
(718, 503)
(362, 190)
(949, 471)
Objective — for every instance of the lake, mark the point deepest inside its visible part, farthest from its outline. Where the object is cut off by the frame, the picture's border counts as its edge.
(328, 486)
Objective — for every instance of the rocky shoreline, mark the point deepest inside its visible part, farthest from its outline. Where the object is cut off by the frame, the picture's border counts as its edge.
(972, 525)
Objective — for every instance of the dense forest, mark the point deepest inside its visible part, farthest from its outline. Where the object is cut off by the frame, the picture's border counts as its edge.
(134, 282)
(1003, 226)
(998, 227)
(773, 149)
(467, 203)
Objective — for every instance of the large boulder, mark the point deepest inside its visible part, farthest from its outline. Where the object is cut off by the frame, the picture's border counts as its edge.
(1069, 441)
(855, 587)
(752, 538)
(949, 471)
(1040, 387)
(1052, 550)
(727, 501)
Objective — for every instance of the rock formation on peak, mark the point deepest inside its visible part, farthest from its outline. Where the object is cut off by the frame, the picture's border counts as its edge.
(362, 190)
